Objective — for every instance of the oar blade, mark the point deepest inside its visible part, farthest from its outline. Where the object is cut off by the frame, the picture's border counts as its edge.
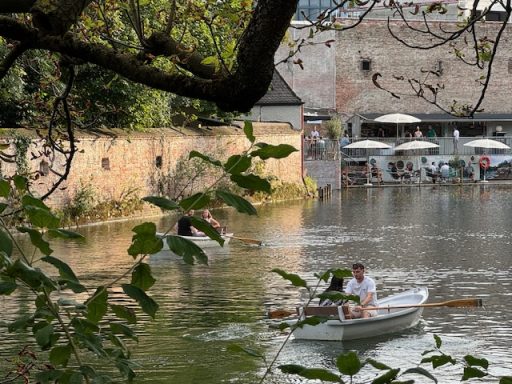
(279, 314)
(465, 303)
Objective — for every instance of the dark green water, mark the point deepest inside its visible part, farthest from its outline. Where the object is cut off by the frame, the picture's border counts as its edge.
(454, 240)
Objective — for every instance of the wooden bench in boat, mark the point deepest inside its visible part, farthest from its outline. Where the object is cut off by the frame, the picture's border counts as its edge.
(337, 311)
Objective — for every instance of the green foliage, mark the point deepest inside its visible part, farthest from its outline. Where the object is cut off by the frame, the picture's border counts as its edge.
(84, 207)
(334, 127)
(311, 186)
(54, 316)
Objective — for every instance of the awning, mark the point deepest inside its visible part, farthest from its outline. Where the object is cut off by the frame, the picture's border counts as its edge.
(444, 117)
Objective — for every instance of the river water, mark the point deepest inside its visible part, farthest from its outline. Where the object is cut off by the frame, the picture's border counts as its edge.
(454, 240)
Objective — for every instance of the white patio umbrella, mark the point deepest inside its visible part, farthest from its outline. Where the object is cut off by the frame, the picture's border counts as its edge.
(367, 144)
(487, 143)
(416, 144)
(397, 118)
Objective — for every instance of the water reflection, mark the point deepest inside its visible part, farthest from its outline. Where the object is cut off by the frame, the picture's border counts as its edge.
(454, 240)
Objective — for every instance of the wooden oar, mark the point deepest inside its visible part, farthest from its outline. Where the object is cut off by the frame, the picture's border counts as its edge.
(245, 240)
(459, 303)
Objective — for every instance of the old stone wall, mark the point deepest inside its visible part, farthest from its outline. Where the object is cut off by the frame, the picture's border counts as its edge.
(398, 64)
(117, 163)
(324, 172)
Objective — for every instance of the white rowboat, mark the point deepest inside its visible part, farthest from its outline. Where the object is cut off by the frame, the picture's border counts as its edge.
(201, 241)
(387, 320)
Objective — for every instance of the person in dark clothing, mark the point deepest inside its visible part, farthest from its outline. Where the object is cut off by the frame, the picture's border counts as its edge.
(335, 285)
(184, 225)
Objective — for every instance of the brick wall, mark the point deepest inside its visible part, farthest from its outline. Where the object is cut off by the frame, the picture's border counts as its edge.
(117, 162)
(371, 40)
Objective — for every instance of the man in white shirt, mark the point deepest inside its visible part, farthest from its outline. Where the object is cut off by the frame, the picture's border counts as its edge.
(364, 287)
(315, 134)
(456, 135)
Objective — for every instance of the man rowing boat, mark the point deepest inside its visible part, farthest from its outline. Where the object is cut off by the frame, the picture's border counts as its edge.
(364, 287)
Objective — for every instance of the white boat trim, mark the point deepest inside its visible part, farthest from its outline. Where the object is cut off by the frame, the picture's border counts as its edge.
(202, 241)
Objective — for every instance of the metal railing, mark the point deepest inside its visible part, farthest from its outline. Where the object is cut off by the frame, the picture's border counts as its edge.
(330, 149)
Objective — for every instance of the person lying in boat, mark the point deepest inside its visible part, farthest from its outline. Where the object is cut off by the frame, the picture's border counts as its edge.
(335, 285)
(184, 226)
(364, 287)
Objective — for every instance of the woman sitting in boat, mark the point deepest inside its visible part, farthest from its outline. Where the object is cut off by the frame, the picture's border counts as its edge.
(335, 285)
(207, 216)
(364, 287)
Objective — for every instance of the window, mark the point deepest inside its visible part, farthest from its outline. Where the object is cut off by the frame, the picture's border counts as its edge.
(44, 168)
(311, 9)
(366, 65)
(158, 162)
(105, 163)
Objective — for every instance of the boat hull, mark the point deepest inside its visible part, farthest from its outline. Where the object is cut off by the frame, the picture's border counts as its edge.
(201, 241)
(387, 321)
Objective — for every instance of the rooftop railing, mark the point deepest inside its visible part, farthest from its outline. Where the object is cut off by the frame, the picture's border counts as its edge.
(330, 149)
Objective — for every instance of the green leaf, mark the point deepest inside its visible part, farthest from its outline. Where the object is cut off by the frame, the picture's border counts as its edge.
(145, 241)
(506, 380)
(186, 249)
(311, 320)
(121, 329)
(148, 305)
(377, 364)
(248, 351)
(471, 372)
(473, 361)
(310, 373)
(208, 159)
(252, 182)
(248, 130)
(348, 363)
(125, 367)
(237, 202)
(21, 322)
(33, 277)
(46, 336)
(60, 355)
(68, 277)
(197, 201)
(7, 287)
(36, 238)
(421, 371)
(208, 230)
(2, 207)
(162, 202)
(5, 243)
(5, 188)
(438, 360)
(41, 218)
(438, 340)
(237, 164)
(274, 151)
(142, 278)
(47, 377)
(65, 234)
(97, 305)
(28, 200)
(387, 377)
(296, 280)
(124, 313)
(21, 183)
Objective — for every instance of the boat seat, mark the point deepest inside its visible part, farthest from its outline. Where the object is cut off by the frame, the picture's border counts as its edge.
(325, 311)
